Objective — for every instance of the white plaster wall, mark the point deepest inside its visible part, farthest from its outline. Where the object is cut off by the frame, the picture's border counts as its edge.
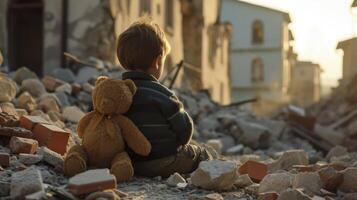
(241, 68)
(242, 16)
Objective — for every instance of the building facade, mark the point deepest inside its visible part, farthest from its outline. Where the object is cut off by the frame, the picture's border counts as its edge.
(349, 66)
(206, 48)
(260, 54)
(305, 83)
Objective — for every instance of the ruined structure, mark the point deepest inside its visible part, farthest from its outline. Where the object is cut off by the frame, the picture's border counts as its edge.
(349, 48)
(206, 48)
(305, 83)
(259, 54)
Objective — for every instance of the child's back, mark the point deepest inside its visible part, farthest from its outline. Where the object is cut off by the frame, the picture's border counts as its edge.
(156, 110)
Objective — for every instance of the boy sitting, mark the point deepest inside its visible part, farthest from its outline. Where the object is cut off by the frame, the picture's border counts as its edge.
(156, 110)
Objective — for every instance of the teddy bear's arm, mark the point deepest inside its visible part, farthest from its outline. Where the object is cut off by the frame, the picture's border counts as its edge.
(83, 123)
(133, 136)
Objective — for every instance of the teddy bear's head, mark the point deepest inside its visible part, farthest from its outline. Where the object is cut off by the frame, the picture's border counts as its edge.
(112, 96)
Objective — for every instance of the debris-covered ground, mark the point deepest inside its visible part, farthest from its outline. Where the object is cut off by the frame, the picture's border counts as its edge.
(291, 157)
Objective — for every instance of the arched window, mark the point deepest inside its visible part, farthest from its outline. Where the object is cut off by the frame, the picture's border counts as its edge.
(257, 32)
(257, 73)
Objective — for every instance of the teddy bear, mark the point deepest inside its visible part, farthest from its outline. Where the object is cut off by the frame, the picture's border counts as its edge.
(105, 131)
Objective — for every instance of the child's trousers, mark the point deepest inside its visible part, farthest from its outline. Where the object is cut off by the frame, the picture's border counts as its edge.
(185, 161)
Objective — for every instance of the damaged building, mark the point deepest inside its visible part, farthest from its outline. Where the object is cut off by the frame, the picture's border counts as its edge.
(259, 55)
(90, 29)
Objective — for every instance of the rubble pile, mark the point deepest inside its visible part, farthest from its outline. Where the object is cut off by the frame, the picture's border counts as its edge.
(336, 116)
(258, 157)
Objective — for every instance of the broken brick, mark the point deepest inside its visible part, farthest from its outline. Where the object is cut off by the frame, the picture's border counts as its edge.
(268, 196)
(52, 137)
(91, 181)
(4, 159)
(76, 88)
(15, 131)
(330, 178)
(256, 170)
(8, 120)
(29, 122)
(23, 145)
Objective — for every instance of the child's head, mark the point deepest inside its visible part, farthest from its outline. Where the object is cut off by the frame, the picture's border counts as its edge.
(143, 47)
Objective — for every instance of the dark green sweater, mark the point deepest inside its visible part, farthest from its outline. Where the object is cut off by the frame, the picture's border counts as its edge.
(159, 115)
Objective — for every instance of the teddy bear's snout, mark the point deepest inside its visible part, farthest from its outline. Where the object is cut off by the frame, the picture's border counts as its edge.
(107, 105)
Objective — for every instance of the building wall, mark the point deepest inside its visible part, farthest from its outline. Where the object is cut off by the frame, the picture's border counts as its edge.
(273, 52)
(3, 6)
(206, 47)
(349, 59)
(305, 85)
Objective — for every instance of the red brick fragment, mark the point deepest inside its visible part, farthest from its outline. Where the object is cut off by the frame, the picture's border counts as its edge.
(52, 137)
(91, 181)
(15, 131)
(330, 178)
(256, 170)
(4, 159)
(76, 88)
(268, 196)
(29, 122)
(51, 83)
(23, 145)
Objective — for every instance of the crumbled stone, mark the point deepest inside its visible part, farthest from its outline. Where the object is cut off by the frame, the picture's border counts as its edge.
(289, 159)
(24, 73)
(349, 180)
(34, 86)
(66, 88)
(8, 88)
(29, 159)
(91, 181)
(50, 157)
(25, 182)
(309, 181)
(293, 194)
(73, 113)
(175, 179)
(336, 152)
(278, 182)
(215, 175)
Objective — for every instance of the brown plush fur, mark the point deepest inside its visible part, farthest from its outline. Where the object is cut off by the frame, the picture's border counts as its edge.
(105, 131)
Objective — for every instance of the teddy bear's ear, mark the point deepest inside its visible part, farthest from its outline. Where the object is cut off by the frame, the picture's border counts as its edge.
(131, 85)
(100, 79)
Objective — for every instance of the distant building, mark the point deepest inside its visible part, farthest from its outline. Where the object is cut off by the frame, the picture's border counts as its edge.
(349, 67)
(206, 48)
(260, 54)
(305, 83)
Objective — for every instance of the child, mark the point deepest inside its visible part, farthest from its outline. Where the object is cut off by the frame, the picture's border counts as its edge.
(156, 110)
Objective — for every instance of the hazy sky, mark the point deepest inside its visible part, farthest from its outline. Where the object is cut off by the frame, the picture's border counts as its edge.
(318, 25)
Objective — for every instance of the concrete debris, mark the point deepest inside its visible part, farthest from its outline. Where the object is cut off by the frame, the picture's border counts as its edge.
(215, 175)
(44, 112)
(289, 159)
(34, 86)
(293, 194)
(91, 181)
(278, 182)
(349, 180)
(8, 88)
(309, 181)
(175, 179)
(30, 159)
(25, 182)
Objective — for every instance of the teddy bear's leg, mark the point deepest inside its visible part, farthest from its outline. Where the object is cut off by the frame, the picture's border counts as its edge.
(122, 167)
(75, 161)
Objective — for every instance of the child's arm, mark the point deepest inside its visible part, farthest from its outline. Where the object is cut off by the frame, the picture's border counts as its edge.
(181, 122)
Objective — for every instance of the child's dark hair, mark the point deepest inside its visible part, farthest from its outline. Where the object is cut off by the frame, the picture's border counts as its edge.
(140, 44)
